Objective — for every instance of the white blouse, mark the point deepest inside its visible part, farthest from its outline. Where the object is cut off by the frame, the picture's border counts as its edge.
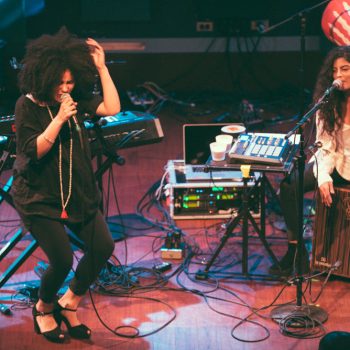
(334, 153)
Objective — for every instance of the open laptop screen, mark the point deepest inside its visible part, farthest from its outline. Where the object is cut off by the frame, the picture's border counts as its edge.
(196, 141)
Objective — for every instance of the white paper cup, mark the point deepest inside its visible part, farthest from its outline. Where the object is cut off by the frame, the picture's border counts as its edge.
(218, 151)
(226, 139)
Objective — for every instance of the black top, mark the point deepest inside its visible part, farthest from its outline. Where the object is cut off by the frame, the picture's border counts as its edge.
(36, 183)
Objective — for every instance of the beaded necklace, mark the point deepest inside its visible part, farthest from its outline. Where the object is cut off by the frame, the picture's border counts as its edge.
(64, 203)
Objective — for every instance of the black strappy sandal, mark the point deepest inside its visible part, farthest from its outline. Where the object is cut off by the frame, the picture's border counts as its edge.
(55, 335)
(79, 332)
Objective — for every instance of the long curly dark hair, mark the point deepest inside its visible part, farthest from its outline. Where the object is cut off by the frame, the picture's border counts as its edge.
(331, 112)
(48, 57)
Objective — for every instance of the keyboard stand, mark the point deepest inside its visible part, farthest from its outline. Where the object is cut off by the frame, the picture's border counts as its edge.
(32, 246)
(4, 160)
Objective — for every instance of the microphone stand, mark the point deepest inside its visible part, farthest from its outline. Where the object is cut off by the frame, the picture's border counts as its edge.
(313, 312)
(308, 115)
(302, 16)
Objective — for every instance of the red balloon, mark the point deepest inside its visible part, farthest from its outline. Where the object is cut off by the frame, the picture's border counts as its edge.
(336, 22)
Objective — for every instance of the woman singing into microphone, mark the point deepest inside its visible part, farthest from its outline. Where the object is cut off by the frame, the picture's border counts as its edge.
(54, 184)
(332, 164)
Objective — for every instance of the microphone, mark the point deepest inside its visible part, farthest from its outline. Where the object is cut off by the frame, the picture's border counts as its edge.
(316, 145)
(75, 120)
(63, 96)
(336, 85)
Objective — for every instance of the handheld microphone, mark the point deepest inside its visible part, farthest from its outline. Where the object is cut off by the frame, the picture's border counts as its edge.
(336, 85)
(63, 96)
(75, 120)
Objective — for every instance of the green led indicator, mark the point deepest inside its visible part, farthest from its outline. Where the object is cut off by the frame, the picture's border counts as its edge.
(227, 196)
(193, 197)
(216, 189)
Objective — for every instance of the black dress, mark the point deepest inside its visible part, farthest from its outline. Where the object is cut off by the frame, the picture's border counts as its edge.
(36, 183)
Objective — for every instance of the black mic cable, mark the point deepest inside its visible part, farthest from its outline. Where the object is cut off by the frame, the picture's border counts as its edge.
(78, 129)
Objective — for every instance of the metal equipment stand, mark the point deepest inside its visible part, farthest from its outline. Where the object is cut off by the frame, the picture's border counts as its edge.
(245, 216)
(312, 311)
(109, 150)
(7, 153)
(25, 254)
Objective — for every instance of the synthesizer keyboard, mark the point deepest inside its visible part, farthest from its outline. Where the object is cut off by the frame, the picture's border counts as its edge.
(263, 148)
(128, 128)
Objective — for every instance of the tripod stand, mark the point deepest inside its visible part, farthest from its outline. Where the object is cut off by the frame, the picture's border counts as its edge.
(245, 216)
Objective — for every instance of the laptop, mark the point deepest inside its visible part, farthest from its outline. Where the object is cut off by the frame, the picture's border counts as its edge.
(196, 154)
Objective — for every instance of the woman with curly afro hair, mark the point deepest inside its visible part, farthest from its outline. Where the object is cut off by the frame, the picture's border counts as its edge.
(333, 158)
(54, 184)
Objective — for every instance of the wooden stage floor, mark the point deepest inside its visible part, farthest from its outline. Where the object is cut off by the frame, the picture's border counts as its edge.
(134, 308)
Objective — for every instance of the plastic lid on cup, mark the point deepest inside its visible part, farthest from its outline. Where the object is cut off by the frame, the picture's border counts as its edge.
(233, 129)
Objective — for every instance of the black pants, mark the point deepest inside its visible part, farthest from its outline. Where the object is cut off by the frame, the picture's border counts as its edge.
(289, 196)
(54, 241)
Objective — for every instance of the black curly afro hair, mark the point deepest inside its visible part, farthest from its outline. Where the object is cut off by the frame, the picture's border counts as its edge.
(48, 57)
